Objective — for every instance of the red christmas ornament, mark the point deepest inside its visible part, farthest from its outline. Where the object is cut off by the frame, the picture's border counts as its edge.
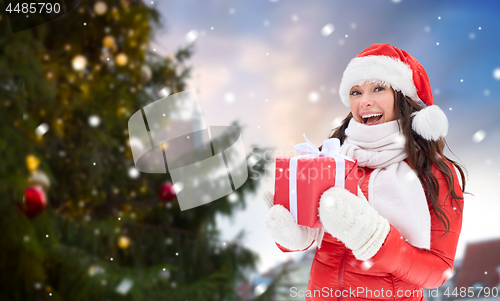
(34, 201)
(166, 192)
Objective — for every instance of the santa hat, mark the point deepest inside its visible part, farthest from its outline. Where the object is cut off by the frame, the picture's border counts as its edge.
(400, 70)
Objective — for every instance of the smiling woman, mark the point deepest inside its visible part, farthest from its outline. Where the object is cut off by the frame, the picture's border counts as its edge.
(372, 103)
(400, 233)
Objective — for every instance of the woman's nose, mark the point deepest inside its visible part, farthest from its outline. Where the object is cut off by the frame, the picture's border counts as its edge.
(366, 100)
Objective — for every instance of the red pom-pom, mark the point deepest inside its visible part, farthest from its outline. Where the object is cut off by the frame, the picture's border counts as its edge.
(34, 201)
(166, 192)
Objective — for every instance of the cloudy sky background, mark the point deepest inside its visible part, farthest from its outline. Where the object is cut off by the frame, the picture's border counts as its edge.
(272, 66)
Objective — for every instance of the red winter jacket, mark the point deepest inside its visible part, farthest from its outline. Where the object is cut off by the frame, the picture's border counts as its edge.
(398, 271)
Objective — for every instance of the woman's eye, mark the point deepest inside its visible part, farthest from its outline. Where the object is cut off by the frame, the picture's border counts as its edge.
(355, 92)
(379, 89)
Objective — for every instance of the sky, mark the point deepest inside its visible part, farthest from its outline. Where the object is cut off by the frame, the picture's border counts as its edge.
(275, 66)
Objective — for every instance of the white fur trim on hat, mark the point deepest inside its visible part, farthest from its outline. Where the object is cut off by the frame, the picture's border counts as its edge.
(430, 123)
(393, 72)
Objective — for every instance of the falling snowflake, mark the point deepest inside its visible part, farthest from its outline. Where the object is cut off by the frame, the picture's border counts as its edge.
(178, 186)
(479, 136)
(327, 30)
(229, 97)
(448, 273)
(133, 173)
(410, 176)
(42, 129)
(313, 96)
(233, 197)
(260, 289)
(191, 36)
(252, 160)
(337, 122)
(366, 265)
(496, 73)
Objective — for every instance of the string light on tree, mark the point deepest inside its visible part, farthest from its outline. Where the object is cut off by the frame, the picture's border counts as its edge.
(100, 8)
(123, 242)
(94, 121)
(79, 62)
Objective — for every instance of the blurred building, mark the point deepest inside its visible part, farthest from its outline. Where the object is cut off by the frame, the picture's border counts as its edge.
(286, 281)
(479, 268)
(476, 277)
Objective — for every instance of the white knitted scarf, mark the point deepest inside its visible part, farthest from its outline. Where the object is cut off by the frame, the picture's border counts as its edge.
(394, 189)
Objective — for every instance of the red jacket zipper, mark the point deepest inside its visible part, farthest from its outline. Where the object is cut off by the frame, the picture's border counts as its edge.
(341, 273)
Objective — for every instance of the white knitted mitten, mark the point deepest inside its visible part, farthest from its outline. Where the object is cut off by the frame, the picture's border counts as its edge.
(283, 229)
(352, 220)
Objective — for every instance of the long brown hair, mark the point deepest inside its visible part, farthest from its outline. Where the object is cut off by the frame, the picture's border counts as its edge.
(422, 154)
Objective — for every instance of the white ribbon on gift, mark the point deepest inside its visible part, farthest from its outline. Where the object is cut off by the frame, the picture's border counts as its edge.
(330, 148)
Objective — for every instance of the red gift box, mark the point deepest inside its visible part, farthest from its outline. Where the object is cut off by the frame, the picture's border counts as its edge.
(313, 176)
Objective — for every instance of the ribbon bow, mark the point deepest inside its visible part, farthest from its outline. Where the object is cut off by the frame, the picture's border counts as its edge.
(331, 148)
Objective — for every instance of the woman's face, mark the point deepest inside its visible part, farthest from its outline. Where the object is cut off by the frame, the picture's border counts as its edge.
(372, 103)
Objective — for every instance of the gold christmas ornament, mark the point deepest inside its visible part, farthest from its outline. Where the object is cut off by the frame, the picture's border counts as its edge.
(100, 8)
(79, 62)
(109, 41)
(123, 242)
(121, 59)
(32, 163)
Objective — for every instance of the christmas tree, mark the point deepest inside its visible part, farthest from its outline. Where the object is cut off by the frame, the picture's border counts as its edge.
(79, 222)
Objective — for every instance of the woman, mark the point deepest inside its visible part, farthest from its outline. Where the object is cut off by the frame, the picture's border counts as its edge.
(399, 235)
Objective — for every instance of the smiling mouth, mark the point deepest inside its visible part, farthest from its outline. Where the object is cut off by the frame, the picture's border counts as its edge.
(372, 119)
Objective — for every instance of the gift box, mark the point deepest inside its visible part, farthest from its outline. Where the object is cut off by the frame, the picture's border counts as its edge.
(301, 180)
